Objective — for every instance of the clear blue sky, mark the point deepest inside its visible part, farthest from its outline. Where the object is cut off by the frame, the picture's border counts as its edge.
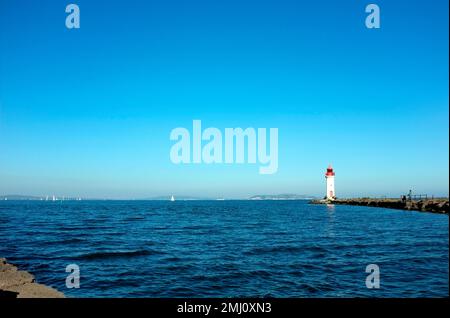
(88, 112)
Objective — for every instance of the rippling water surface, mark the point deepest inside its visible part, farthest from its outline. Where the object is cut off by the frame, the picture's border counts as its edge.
(226, 248)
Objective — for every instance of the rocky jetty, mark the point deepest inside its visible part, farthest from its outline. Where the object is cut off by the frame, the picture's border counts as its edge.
(15, 283)
(427, 205)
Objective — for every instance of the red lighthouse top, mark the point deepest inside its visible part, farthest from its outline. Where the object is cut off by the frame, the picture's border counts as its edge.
(330, 172)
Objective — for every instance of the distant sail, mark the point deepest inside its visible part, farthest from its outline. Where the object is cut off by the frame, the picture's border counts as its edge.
(172, 198)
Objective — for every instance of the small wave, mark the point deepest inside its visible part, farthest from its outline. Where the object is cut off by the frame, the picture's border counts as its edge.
(64, 241)
(309, 288)
(134, 218)
(116, 254)
(181, 291)
(195, 227)
(178, 268)
(275, 249)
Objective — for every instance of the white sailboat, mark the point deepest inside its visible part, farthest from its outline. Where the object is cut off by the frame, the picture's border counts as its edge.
(172, 198)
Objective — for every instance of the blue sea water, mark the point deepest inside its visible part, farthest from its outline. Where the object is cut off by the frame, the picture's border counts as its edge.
(226, 248)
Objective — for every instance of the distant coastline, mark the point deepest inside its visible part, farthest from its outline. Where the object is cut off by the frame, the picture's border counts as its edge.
(16, 197)
(282, 197)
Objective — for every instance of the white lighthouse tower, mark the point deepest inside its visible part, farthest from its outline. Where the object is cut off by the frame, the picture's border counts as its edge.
(329, 176)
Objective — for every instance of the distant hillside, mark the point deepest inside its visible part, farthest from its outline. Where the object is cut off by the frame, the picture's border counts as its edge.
(281, 197)
(19, 197)
(167, 197)
(16, 197)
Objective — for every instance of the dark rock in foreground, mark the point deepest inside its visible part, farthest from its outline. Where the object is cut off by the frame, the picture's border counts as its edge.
(20, 284)
(428, 205)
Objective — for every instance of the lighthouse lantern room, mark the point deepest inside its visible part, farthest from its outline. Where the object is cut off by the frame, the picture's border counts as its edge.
(329, 176)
